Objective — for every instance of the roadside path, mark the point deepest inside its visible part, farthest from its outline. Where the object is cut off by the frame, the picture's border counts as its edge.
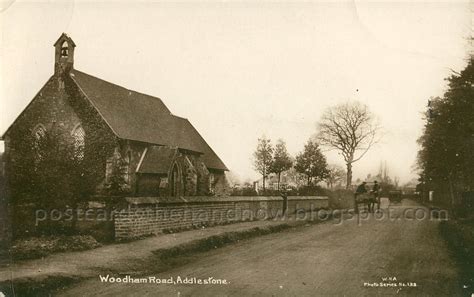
(327, 259)
(123, 257)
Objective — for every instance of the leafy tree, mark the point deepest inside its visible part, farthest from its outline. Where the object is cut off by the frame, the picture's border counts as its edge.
(350, 128)
(19, 165)
(335, 174)
(117, 184)
(281, 160)
(263, 158)
(49, 172)
(312, 163)
(57, 171)
(58, 174)
(446, 159)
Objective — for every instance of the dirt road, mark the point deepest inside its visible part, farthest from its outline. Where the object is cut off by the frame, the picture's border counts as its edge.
(351, 258)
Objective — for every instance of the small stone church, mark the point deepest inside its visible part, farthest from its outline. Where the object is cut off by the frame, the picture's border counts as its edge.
(162, 154)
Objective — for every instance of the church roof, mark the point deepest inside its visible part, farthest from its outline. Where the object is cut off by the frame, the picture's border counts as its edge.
(139, 117)
(157, 160)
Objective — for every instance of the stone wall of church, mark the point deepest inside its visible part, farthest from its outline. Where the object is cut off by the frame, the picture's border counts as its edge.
(60, 107)
(221, 184)
(203, 177)
(49, 108)
(197, 178)
(190, 177)
(101, 142)
(131, 152)
(149, 185)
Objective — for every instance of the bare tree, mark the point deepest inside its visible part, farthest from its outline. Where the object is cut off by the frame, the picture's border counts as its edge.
(350, 128)
(384, 173)
(336, 174)
(396, 181)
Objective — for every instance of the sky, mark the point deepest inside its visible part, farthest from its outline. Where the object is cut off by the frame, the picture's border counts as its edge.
(240, 70)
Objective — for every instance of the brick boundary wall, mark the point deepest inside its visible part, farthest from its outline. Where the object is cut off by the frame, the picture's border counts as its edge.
(151, 215)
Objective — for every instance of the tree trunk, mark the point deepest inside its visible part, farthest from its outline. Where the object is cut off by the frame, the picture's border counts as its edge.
(451, 191)
(309, 180)
(263, 183)
(349, 175)
(279, 175)
(74, 217)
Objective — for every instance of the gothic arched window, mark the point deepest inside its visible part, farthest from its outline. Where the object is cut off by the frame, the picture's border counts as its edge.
(79, 141)
(175, 182)
(39, 132)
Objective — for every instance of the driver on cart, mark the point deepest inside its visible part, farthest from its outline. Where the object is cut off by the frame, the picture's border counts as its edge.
(375, 192)
(361, 189)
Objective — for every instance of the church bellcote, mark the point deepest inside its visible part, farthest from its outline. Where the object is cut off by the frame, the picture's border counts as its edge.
(64, 54)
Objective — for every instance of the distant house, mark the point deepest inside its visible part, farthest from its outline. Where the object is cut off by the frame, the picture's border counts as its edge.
(163, 154)
(271, 182)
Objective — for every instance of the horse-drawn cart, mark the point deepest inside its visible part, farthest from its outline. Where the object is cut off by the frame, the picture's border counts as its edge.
(368, 199)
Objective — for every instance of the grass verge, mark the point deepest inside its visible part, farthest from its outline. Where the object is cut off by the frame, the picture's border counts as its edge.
(37, 287)
(38, 247)
(182, 253)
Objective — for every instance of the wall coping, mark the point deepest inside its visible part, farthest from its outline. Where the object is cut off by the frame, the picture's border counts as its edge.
(213, 199)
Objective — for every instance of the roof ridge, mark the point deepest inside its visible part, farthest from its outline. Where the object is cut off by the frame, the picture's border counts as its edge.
(181, 118)
(93, 104)
(138, 118)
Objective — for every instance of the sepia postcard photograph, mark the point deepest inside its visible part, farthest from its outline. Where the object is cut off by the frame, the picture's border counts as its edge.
(236, 148)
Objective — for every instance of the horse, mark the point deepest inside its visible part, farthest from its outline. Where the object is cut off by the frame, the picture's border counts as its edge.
(369, 199)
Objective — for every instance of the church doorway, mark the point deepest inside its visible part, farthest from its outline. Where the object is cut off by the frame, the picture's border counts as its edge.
(175, 183)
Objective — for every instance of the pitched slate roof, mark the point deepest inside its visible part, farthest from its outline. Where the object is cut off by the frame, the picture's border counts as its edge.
(157, 160)
(139, 117)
